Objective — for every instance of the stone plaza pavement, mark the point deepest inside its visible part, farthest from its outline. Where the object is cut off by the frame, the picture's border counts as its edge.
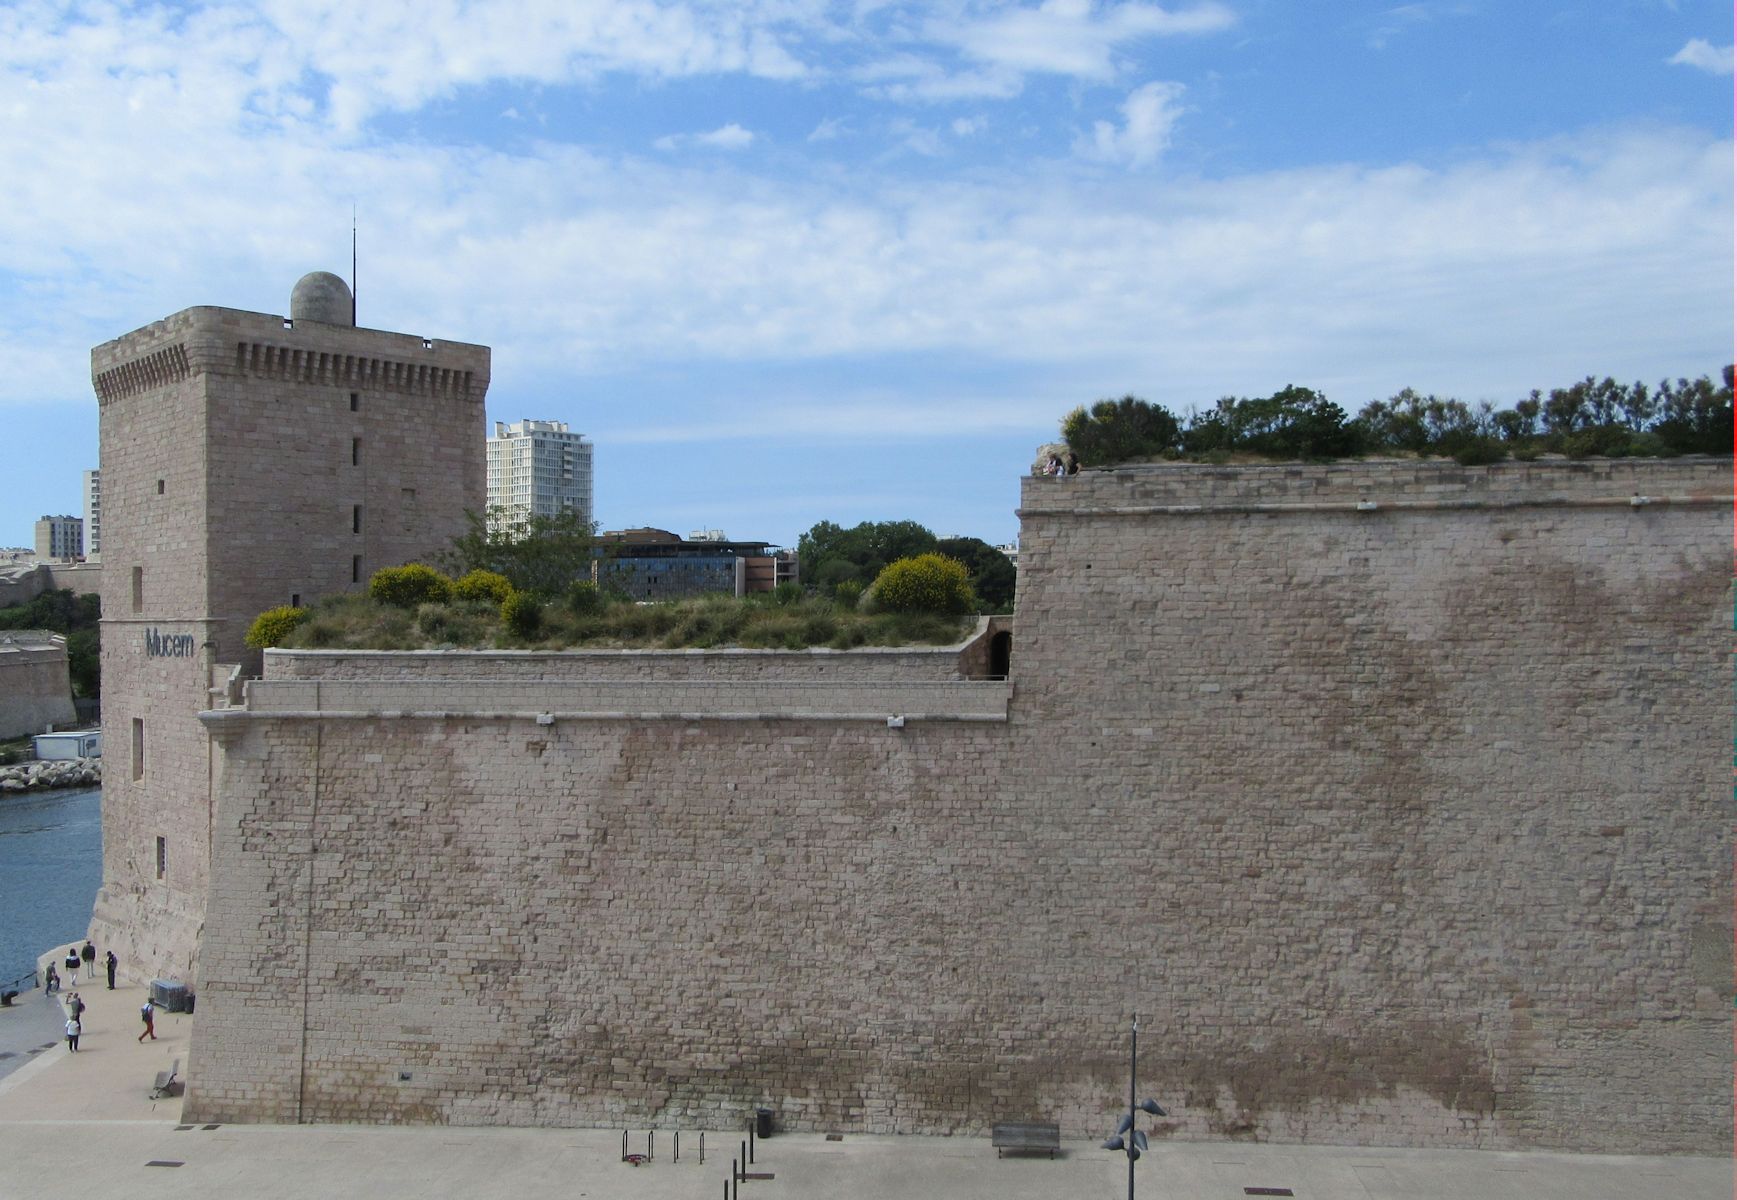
(85, 1124)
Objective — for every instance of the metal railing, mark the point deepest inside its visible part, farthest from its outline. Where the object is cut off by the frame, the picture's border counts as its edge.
(30, 981)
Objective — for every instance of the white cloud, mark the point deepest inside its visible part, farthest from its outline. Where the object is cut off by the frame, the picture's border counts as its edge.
(1071, 37)
(727, 137)
(1382, 27)
(1148, 115)
(920, 139)
(340, 64)
(911, 77)
(828, 129)
(434, 49)
(967, 126)
(1076, 39)
(860, 414)
(1598, 253)
(1705, 56)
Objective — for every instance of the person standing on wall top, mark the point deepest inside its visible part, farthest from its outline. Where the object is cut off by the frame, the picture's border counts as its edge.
(89, 956)
(112, 963)
(71, 964)
(148, 1013)
(50, 980)
(73, 1029)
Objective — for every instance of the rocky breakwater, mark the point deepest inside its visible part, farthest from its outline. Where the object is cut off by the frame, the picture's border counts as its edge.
(41, 775)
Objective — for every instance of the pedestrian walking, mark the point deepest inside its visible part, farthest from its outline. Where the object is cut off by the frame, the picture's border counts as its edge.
(71, 965)
(148, 1012)
(112, 962)
(75, 1005)
(50, 980)
(89, 956)
(73, 1029)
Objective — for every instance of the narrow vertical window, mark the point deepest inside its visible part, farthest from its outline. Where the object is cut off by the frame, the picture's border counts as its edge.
(356, 518)
(295, 599)
(355, 401)
(356, 568)
(355, 452)
(159, 487)
(138, 747)
(162, 857)
(138, 589)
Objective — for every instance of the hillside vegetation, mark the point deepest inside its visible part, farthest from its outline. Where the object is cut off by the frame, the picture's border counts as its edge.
(1590, 418)
(782, 622)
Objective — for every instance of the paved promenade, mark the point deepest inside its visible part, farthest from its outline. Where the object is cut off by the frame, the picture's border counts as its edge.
(85, 1124)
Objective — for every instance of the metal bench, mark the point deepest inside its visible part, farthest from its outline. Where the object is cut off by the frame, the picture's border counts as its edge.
(166, 1080)
(1026, 1135)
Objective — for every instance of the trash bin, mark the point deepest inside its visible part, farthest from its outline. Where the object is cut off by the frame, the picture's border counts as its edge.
(762, 1122)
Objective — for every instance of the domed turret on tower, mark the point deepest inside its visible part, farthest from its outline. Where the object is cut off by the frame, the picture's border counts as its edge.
(322, 296)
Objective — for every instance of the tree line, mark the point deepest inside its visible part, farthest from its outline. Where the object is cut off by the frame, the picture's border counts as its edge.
(1590, 417)
(77, 617)
(842, 563)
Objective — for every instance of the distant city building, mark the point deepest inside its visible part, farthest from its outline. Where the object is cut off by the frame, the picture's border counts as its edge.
(537, 469)
(654, 564)
(93, 513)
(59, 539)
(1011, 549)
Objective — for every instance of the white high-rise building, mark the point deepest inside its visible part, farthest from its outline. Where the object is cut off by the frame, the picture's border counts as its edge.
(93, 514)
(59, 539)
(538, 469)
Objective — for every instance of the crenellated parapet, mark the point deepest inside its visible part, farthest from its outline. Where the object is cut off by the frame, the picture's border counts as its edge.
(367, 372)
(206, 340)
(157, 369)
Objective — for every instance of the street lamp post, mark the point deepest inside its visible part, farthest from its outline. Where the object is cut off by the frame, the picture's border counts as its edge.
(1127, 1138)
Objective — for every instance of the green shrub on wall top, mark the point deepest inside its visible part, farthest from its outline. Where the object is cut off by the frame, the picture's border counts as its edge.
(584, 598)
(409, 585)
(522, 614)
(1113, 431)
(272, 626)
(927, 583)
(482, 585)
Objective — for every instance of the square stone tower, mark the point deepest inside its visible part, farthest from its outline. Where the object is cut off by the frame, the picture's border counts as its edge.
(248, 461)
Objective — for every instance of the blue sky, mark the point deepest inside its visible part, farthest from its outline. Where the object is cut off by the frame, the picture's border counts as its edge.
(791, 261)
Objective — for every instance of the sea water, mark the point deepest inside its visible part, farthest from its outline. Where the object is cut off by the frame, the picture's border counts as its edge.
(51, 864)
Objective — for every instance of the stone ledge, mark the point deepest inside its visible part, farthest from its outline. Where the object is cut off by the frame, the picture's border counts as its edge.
(221, 717)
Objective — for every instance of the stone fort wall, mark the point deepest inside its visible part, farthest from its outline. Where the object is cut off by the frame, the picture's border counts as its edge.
(35, 685)
(1392, 796)
(21, 585)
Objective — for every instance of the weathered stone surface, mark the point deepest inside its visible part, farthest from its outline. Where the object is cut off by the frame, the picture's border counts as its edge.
(35, 684)
(1391, 795)
(247, 460)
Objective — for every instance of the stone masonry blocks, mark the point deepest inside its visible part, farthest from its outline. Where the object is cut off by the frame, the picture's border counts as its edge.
(1391, 796)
